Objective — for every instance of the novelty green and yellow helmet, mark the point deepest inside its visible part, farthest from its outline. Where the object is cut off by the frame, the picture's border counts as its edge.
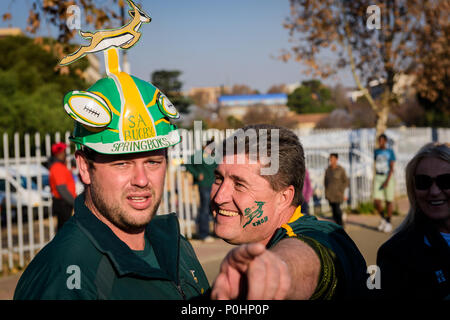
(121, 113)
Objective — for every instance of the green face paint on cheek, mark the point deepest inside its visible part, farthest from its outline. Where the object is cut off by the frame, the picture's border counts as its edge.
(255, 212)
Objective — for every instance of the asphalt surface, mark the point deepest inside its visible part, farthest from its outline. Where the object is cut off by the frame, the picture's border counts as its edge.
(361, 228)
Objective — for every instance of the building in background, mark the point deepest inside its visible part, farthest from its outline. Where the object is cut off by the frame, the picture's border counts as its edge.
(7, 32)
(207, 97)
(238, 105)
(308, 120)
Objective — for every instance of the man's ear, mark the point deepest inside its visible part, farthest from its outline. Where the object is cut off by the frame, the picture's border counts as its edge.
(285, 198)
(83, 167)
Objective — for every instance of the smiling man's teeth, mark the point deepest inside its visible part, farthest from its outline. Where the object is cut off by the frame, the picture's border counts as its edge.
(139, 199)
(437, 202)
(228, 213)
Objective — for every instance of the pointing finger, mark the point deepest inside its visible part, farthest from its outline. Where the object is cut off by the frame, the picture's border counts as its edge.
(242, 256)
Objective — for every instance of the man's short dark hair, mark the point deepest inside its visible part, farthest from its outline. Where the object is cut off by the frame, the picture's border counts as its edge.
(334, 155)
(383, 136)
(291, 169)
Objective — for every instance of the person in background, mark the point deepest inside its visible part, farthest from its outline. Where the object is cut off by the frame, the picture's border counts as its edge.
(62, 184)
(307, 193)
(415, 261)
(203, 172)
(383, 187)
(335, 182)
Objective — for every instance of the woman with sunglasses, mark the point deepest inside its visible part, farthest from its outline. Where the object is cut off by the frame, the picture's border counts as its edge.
(415, 262)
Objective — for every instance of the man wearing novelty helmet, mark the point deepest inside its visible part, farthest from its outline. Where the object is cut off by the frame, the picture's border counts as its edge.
(115, 247)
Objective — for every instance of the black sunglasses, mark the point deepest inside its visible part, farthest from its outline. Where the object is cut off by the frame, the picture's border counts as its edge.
(424, 182)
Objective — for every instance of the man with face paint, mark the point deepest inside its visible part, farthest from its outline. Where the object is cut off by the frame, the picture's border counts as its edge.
(282, 254)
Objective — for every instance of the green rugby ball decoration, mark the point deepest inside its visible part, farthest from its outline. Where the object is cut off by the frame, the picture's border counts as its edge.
(87, 108)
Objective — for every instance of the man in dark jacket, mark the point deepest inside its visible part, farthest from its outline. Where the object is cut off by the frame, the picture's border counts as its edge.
(115, 246)
(335, 182)
(202, 167)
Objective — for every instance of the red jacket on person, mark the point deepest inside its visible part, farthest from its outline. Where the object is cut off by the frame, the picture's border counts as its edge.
(61, 175)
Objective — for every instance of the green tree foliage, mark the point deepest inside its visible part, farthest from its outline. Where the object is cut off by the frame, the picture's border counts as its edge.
(437, 111)
(32, 89)
(311, 97)
(168, 82)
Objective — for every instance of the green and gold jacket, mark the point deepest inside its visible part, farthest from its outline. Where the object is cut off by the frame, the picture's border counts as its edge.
(86, 260)
(343, 268)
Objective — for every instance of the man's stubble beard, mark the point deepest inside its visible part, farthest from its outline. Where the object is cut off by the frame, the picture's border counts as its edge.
(118, 217)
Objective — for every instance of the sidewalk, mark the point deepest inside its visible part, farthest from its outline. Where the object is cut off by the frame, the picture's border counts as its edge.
(361, 228)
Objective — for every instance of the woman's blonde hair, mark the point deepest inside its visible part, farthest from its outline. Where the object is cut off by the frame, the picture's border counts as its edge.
(430, 150)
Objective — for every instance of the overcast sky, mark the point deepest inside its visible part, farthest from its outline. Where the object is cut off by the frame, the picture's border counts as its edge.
(212, 42)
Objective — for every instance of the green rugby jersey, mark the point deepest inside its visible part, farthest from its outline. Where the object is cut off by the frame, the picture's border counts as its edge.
(343, 268)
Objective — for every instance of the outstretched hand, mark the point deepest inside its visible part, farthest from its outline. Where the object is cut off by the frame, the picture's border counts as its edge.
(252, 272)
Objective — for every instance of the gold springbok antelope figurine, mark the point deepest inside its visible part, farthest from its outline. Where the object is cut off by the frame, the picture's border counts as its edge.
(125, 37)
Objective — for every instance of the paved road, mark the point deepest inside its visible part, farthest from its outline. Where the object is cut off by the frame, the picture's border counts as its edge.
(363, 231)
(361, 228)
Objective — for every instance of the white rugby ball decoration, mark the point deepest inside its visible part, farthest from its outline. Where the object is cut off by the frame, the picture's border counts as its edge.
(87, 108)
(166, 107)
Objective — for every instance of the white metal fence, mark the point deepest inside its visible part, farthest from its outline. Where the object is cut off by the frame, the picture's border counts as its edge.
(27, 223)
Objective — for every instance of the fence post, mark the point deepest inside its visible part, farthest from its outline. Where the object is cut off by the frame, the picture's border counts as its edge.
(48, 147)
(166, 195)
(37, 142)
(68, 152)
(194, 211)
(187, 206)
(180, 212)
(19, 201)
(186, 191)
(29, 207)
(434, 134)
(8, 199)
(1, 214)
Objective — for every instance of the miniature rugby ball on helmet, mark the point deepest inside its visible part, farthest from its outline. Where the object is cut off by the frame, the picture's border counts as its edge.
(166, 107)
(87, 108)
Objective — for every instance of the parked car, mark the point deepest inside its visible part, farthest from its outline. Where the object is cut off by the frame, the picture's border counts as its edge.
(28, 196)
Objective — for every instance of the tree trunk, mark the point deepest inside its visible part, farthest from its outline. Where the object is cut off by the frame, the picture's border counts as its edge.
(382, 118)
(381, 108)
(382, 113)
